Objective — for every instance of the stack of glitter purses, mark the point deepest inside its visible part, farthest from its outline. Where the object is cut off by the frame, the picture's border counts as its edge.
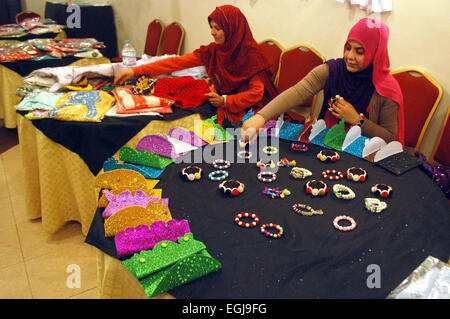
(143, 157)
(171, 264)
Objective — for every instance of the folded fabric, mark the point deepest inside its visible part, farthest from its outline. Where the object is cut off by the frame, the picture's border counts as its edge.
(143, 237)
(170, 264)
(127, 102)
(39, 100)
(130, 155)
(148, 172)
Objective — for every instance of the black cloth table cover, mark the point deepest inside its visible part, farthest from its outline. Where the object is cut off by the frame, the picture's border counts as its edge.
(25, 67)
(312, 259)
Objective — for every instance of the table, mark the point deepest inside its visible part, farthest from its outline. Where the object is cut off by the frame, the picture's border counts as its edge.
(312, 259)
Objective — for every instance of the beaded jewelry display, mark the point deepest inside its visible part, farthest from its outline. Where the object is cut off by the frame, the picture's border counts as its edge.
(375, 205)
(316, 188)
(328, 156)
(267, 165)
(218, 175)
(299, 147)
(276, 192)
(270, 150)
(306, 210)
(238, 221)
(356, 174)
(245, 154)
(269, 234)
(267, 180)
(326, 174)
(221, 164)
(382, 189)
(286, 163)
(232, 187)
(192, 173)
(298, 172)
(344, 228)
(343, 192)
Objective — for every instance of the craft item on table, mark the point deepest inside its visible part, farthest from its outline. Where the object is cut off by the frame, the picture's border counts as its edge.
(286, 163)
(269, 234)
(192, 173)
(318, 132)
(221, 164)
(231, 187)
(316, 188)
(356, 174)
(377, 149)
(25, 90)
(124, 199)
(276, 192)
(382, 190)
(144, 85)
(243, 143)
(328, 156)
(299, 172)
(272, 178)
(344, 228)
(288, 130)
(143, 237)
(18, 51)
(238, 221)
(68, 47)
(400, 163)
(299, 147)
(374, 205)
(220, 134)
(218, 175)
(270, 150)
(266, 165)
(186, 91)
(204, 130)
(245, 154)
(130, 103)
(133, 216)
(186, 136)
(82, 85)
(332, 100)
(336, 174)
(12, 31)
(343, 192)
(335, 136)
(306, 210)
(130, 155)
(38, 100)
(171, 264)
(354, 142)
(164, 145)
(148, 172)
(305, 133)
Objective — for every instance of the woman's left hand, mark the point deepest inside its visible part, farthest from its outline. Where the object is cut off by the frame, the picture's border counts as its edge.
(344, 110)
(216, 99)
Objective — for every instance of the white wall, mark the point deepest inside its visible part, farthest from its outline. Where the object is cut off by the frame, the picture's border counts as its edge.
(419, 30)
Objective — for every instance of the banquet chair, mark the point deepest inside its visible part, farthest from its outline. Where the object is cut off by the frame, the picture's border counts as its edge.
(421, 96)
(295, 64)
(272, 51)
(441, 151)
(172, 39)
(154, 37)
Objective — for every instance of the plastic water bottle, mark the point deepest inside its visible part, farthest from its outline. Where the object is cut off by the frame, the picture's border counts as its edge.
(128, 55)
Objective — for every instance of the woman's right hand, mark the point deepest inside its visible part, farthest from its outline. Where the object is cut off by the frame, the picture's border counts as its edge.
(123, 76)
(250, 128)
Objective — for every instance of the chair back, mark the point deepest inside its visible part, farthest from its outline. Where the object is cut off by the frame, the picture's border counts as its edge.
(421, 96)
(272, 51)
(172, 39)
(154, 37)
(441, 152)
(295, 64)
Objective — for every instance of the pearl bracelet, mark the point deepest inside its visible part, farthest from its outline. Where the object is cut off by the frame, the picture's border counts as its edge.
(382, 189)
(267, 180)
(326, 174)
(238, 221)
(221, 164)
(244, 154)
(299, 172)
(375, 205)
(356, 174)
(267, 165)
(344, 228)
(218, 175)
(309, 210)
(316, 188)
(191, 173)
(231, 187)
(269, 150)
(338, 189)
(269, 234)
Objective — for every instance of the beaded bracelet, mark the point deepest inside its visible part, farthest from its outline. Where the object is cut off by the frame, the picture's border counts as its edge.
(218, 175)
(192, 173)
(221, 164)
(356, 174)
(299, 147)
(338, 189)
(316, 188)
(326, 174)
(263, 165)
(344, 228)
(328, 156)
(244, 154)
(382, 189)
(238, 221)
(269, 234)
(269, 150)
(276, 192)
(375, 205)
(299, 172)
(286, 163)
(267, 180)
(231, 187)
(309, 210)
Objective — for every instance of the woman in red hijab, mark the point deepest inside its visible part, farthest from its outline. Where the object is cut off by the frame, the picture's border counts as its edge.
(239, 71)
(359, 86)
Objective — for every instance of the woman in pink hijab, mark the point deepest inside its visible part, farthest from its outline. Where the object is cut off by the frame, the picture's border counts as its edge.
(358, 86)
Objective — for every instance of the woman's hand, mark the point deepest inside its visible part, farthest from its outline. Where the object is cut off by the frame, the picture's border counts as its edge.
(344, 110)
(250, 128)
(123, 76)
(216, 99)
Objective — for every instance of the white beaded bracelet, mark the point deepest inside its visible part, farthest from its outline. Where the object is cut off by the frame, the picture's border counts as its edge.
(348, 193)
(375, 205)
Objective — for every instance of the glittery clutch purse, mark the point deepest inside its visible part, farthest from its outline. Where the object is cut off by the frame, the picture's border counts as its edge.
(143, 157)
(336, 136)
(171, 264)
(143, 237)
(204, 130)
(148, 172)
(186, 136)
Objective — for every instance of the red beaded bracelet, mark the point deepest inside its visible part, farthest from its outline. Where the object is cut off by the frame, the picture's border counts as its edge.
(315, 188)
(356, 174)
(326, 175)
(269, 234)
(238, 221)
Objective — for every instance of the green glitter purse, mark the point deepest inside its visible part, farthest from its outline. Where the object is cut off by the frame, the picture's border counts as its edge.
(146, 158)
(336, 136)
(169, 264)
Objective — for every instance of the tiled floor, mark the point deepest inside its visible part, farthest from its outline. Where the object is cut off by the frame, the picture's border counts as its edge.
(34, 264)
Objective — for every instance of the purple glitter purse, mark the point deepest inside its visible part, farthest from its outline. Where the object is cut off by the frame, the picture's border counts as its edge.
(439, 173)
